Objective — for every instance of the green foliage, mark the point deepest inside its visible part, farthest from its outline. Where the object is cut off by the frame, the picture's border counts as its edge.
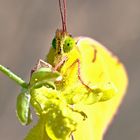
(44, 76)
(23, 107)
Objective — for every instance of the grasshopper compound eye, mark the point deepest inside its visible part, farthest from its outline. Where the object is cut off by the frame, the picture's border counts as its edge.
(68, 45)
(54, 43)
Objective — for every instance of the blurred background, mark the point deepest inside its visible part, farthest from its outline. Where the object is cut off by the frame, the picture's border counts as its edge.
(26, 30)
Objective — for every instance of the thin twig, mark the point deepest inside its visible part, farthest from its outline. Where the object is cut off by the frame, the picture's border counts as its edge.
(13, 76)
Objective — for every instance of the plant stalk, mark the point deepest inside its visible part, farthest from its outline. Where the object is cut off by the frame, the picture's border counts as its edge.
(13, 76)
(72, 137)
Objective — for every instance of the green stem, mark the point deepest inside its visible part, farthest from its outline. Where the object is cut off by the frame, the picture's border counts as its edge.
(72, 137)
(13, 76)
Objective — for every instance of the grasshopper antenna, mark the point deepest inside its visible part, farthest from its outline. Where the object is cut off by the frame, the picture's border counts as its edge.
(63, 14)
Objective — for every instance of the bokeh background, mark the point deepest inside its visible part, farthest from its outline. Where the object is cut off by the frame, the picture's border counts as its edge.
(26, 30)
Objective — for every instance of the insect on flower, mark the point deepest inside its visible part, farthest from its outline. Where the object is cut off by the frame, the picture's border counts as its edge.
(76, 89)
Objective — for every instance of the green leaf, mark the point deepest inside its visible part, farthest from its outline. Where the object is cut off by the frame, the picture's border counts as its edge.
(44, 76)
(23, 107)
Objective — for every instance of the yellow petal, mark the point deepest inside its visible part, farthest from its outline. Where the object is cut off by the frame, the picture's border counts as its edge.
(106, 67)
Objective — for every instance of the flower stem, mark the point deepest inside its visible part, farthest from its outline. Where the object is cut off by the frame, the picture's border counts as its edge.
(13, 76)
(72, 137)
